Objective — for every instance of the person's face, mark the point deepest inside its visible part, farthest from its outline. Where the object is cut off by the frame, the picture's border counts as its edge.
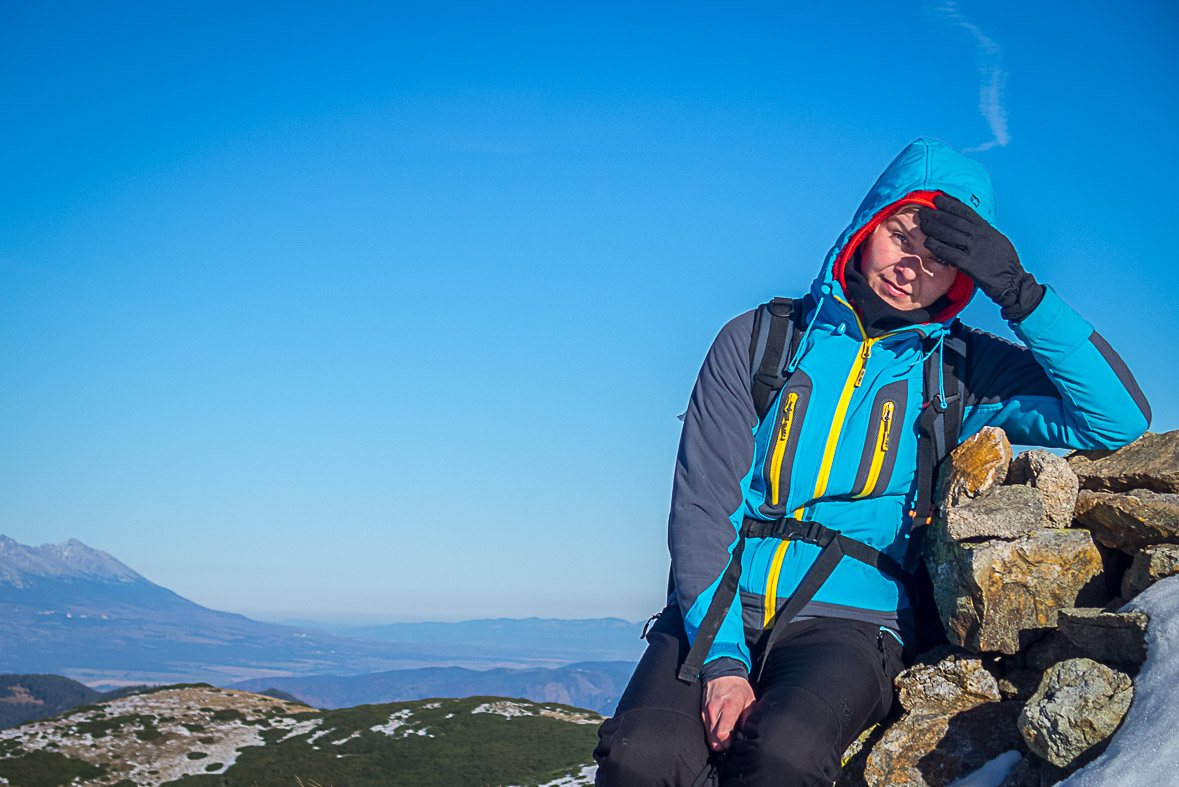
(899, 268)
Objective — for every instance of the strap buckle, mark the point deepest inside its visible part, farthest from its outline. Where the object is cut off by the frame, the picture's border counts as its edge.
(817, 534)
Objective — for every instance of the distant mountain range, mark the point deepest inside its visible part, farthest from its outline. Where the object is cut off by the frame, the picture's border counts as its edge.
(600, 639)
(596, 686)
(77, 611)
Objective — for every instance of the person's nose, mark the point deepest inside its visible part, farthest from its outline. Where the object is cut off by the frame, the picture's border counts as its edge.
(908, 268)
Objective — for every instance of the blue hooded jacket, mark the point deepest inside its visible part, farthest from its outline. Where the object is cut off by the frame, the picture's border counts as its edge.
(839, 445)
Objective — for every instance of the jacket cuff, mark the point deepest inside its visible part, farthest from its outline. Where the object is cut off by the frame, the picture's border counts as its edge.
(1028, 297)
(724, 667)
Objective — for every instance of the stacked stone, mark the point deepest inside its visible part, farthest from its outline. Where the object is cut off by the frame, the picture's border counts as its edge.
(1030, 558)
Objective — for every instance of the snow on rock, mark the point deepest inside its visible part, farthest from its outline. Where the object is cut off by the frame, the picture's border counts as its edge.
(1144, 752)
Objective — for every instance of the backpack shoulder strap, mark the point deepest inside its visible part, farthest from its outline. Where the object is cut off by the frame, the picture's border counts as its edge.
(938, 427)
(771, 345)
(953, 374)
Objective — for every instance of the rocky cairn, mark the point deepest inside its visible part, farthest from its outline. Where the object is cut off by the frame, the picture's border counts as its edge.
(1031, 557)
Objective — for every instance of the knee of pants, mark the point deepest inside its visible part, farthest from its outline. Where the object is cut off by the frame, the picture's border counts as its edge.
(782, 747)
(650, 747)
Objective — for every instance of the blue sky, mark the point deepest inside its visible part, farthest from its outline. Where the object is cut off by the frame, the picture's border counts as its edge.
(385, 312)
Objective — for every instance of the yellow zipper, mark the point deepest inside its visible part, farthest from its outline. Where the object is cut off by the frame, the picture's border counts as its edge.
(855, 376)
(882, 446)
(771, 600)
(780, 446)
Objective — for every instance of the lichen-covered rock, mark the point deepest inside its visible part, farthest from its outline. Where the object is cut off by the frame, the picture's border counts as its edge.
(1150, 564)
(1150, 462)
(1129, 521)
(974, 468)
(1002, 595)
(1057, 482)
(1111, 637)
(1006, 512)
(925, 749)
(944, 680)
(1079, 705)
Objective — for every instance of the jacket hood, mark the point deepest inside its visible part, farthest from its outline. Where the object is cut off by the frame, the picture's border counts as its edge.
(922, 170)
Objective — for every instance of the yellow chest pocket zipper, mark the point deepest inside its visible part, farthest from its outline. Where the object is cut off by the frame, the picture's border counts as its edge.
(883, 444)
(781, 440)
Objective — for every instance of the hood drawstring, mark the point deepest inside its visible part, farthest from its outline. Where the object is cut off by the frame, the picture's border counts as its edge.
(824, 291)
(939, 348)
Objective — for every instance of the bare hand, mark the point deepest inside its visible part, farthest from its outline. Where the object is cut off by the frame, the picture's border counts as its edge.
(727, 701)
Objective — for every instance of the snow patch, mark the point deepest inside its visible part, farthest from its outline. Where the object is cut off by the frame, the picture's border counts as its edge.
(1144, 752)
(506, 709)
(992, 773)
(297, 727)
(315, 736)
(582, 778)
(396, 720)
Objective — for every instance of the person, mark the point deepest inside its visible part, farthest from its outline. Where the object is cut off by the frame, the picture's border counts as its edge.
(839, 446)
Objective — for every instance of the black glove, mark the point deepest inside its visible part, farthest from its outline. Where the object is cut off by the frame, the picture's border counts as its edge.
(960, 237)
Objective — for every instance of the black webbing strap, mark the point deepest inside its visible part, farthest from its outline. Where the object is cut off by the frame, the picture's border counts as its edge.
(835, 547)
(808, 532)
(722, 599)
(770, 346)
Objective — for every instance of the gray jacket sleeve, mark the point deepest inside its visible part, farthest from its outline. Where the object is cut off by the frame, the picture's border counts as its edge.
(715, 454)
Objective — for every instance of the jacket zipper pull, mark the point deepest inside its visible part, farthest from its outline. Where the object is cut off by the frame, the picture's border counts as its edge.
(865, 353)
(885, 426)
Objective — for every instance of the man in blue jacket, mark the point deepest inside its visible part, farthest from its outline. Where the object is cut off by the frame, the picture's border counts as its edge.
(839, 447)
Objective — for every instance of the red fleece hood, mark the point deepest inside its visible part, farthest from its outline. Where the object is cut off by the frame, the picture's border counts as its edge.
(960, 291)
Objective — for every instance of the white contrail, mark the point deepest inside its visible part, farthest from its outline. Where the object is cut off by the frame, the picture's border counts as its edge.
(992, 77)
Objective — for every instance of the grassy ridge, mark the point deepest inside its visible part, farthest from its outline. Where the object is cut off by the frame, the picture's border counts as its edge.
(200, 736)
(458, 748)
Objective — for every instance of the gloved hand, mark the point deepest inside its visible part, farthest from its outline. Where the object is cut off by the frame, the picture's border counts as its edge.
(960, 237)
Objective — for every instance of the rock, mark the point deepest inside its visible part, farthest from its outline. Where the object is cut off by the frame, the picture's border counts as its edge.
(975, 467)
(1150, 564)
(1003, 595)
(1052, 649)
(1129, 521)
(925, 749)
(946, 680)
(1078, 706)
(1057, 482)
(1019, 683)
(1007, 512)
(1111, 637)
(1026, 773)
(1034, 771)
(1150, 462)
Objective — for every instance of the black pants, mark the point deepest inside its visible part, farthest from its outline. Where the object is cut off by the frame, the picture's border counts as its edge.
(826, 680)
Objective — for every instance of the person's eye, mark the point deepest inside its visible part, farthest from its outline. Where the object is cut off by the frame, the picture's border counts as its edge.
(902, 237)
